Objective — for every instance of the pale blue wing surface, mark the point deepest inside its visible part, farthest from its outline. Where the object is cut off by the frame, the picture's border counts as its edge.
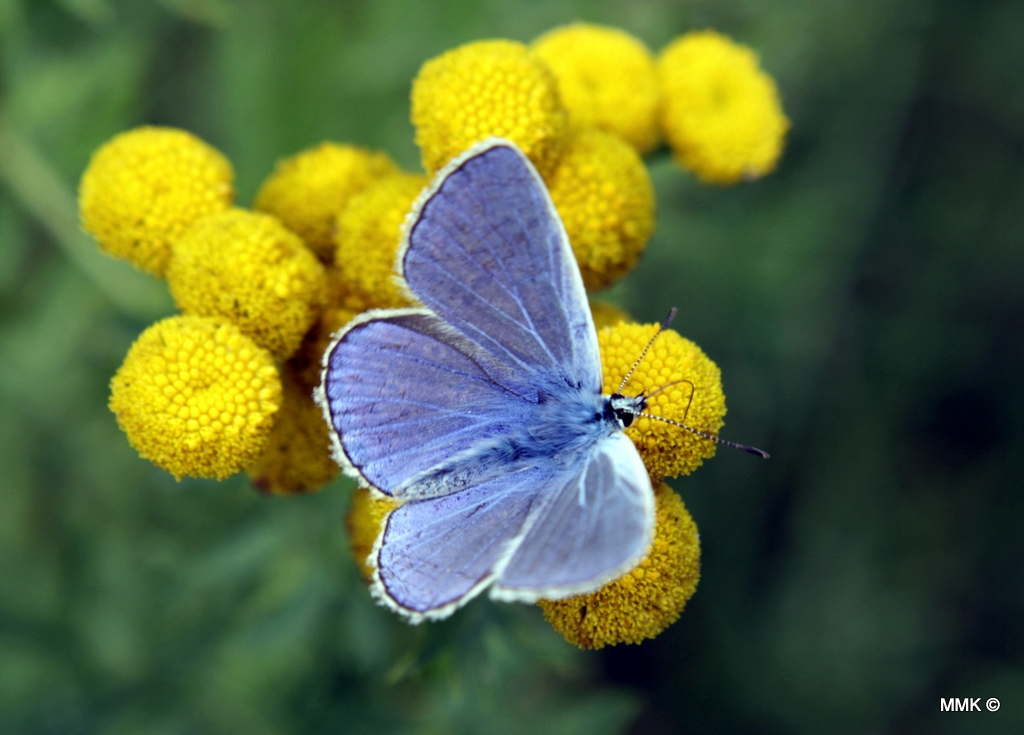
(403, 398)
(438, 553)
(488, 253)
(593, 529)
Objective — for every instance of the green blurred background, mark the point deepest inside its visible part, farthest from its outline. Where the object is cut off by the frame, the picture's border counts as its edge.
(865, 304)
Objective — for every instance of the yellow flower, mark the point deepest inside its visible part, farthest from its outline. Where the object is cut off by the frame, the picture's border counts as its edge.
(307, 190)
(249, 268)
(604, 195)
(642, 603)
(607, 315)
(720, 112)
(196, 397)
(607, 79)
(667, 450)
(482, 89)
(144, 188)
(368, 233)
(308, 360)
(365, 521)
(298, 454)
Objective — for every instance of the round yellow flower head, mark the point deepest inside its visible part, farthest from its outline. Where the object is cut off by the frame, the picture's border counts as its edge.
(604, 195)
(606, 79)
(368, 233)
(308, 361)
(144, 188)
(196, 397)
(645, 601)
(667, 450)
(365, 520)
(298, 454)
(607, 315)
(720, 112)
(249, 268)
(307, 190)
(482, 89)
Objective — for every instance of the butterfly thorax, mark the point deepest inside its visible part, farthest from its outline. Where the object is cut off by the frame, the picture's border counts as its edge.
(562, 426)
(565, 422)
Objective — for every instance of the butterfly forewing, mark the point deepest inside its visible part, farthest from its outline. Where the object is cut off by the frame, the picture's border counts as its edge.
(487, 252)
(403, 401)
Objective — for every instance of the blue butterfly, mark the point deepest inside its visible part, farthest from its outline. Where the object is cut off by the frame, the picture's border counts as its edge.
(484, 410)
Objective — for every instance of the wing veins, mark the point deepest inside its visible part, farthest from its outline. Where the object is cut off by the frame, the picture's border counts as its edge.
(511, 294)
(527, 368)
(517, 297)
(440, 366)
(407, 402)
(394, 425)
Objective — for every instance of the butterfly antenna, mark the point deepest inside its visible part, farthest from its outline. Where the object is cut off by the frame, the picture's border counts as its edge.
(664, 325)
(704, 435)
(669, 385)
(689, 402)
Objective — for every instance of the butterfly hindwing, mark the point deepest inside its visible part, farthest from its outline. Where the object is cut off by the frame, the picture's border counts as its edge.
(544, 531)
(436, 554)
(591, 530)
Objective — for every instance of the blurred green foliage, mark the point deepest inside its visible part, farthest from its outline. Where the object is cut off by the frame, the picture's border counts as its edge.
(865, 304)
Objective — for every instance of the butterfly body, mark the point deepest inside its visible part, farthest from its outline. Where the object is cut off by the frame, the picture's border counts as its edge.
(484, 409)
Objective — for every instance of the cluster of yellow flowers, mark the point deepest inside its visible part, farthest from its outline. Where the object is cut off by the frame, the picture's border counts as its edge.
(226, 385)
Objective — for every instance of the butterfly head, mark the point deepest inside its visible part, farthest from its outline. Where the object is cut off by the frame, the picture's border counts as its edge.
(623, 410)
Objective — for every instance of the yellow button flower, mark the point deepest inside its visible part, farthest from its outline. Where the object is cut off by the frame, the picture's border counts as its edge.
(642, 603)
(482, 89)
(144, 188)
(604, 195)
(667, 450)
(368, 233)
(196, 397)
(298, 454)
(365, 521)
(249, 268)
(720, 112)
(606, 79)
(607, 315)
(307, 190)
